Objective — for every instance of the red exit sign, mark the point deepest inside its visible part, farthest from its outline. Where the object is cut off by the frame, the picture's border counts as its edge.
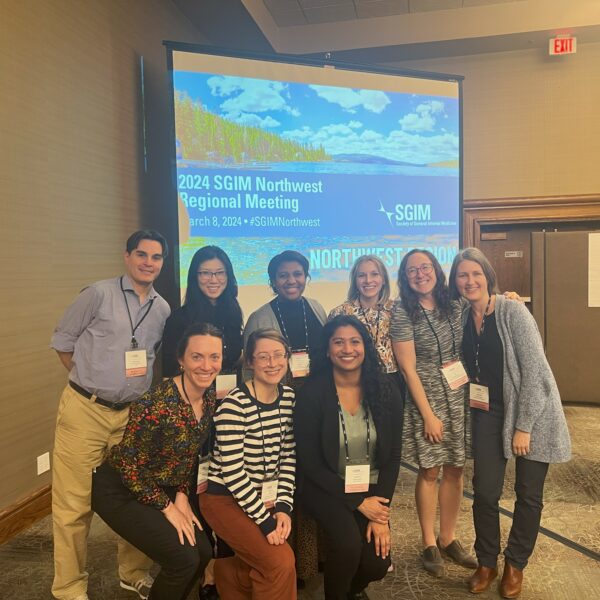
(563, 45)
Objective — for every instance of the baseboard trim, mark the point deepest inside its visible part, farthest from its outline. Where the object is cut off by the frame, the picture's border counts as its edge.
(25, 512)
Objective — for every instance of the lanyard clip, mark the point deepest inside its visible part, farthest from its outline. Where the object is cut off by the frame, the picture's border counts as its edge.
(134, 343)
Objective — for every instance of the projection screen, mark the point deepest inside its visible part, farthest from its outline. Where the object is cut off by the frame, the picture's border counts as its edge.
(329, 160)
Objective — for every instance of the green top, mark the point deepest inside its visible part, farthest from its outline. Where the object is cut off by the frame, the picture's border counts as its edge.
(356, 430)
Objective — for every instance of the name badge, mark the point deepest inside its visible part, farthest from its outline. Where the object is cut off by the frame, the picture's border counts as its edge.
(269, 493)
(357, 478)
(224, 384)
(202, 479)
(300, 364)
(455, 374)
(479, 396)
(136, 363)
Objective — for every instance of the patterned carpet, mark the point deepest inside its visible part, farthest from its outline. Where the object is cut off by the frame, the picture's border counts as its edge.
(563, 566)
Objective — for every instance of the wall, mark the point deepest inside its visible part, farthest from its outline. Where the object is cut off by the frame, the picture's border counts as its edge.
(531, 126)
(73, 185)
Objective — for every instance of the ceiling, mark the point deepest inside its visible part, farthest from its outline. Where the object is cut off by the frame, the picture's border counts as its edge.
(384, 31)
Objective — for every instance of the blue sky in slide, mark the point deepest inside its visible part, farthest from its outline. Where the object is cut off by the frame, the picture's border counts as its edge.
(412, 128)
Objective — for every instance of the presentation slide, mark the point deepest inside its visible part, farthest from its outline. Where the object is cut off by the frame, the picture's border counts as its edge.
(333, 163)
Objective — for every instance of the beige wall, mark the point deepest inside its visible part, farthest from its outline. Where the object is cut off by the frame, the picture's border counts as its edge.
(531, 121)
(71, 181)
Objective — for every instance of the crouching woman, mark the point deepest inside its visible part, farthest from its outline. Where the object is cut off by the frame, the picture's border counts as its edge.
(252, 477)
(143, 490)
(348, 426)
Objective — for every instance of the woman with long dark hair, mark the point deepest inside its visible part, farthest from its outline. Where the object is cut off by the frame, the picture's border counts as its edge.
(347, 424)
(211, 297)
(516, 411)
(426, 332)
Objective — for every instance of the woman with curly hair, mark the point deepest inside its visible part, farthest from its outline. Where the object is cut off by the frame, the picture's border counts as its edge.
(347, 423)
(426, 333)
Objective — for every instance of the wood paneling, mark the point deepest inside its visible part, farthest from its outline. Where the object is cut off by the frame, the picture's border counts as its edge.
(22, 514)
(73, 185)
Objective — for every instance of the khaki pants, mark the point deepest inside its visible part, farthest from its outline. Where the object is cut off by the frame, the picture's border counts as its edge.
(85, 431)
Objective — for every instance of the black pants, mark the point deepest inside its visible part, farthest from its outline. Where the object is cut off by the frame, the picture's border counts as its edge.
(148, 530)
(351, 563)
(488, 481)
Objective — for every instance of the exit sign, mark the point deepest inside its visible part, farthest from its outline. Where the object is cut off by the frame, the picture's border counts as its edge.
(563, 45)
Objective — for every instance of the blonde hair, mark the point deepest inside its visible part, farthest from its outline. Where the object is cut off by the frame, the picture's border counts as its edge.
(353, 292)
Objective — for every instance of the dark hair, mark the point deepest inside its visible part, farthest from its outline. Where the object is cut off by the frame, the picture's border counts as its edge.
(279, 259)
(475, 255)
(410, 299)
(264, 334)
(133, 241)
(197, 329)
(376, 392)
(228, 311)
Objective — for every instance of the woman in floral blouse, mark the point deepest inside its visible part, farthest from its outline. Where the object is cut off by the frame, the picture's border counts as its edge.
(369, 301)
(142, 491)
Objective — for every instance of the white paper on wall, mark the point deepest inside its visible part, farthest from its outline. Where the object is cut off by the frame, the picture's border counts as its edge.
(594, 270)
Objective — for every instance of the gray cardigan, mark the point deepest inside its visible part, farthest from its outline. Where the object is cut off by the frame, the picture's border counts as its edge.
(265, 317)
(531, 398)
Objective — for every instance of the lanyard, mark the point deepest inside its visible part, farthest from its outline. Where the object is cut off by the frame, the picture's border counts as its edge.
(437, 339)
(258, 410)
(285, 333)
(134, 343)
(370, 325)
(474, 337)
(188, 401)
(346, 435)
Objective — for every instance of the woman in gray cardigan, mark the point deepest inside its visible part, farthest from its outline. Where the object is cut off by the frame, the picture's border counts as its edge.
(516, 411)
(299, 319)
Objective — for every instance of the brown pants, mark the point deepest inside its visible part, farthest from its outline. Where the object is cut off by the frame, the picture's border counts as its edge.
(258, 570)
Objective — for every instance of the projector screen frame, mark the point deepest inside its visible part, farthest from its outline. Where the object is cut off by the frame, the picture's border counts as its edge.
(327, 62)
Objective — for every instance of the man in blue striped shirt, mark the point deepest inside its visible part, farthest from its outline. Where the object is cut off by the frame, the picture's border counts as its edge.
(107, 340)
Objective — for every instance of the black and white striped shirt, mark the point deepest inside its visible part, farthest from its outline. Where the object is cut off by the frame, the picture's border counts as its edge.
(254, 443)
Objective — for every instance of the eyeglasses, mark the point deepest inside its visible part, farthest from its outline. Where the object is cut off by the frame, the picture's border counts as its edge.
(264, 358)
(425, 268)
(208, 275)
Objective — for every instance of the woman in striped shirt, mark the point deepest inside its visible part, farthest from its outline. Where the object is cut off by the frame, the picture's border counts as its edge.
(252, 476)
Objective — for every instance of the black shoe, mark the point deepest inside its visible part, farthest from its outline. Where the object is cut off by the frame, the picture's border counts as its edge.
(208, 592)
(362, 595)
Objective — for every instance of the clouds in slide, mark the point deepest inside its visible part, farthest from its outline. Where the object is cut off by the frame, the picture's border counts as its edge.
(372, 100)
(246, 97)
(424, 117)
(350, 138)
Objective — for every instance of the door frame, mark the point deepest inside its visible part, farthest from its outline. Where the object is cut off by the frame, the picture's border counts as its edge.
(536, 209)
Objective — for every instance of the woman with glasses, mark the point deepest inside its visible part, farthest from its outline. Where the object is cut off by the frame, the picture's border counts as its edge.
(426, 332)
(347, 423)
(252, 476)
(369, 301)
(516, 411)
(297, 318)
(211, 297)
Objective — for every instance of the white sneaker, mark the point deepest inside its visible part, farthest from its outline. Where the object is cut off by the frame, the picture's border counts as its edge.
(141, 587)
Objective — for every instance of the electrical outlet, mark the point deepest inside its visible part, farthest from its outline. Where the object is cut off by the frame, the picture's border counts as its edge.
(43, 463)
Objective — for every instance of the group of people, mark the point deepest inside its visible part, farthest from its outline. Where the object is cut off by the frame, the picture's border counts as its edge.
(296, 414)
